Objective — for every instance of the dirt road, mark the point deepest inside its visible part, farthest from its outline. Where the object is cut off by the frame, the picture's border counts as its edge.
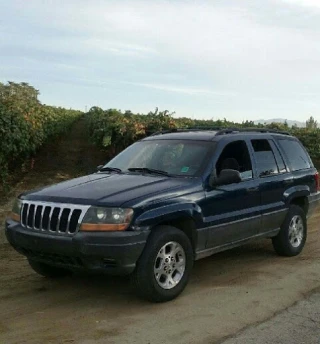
(227, 292)
(296, 325)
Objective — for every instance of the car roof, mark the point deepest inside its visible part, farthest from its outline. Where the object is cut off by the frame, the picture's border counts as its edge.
(214, 135)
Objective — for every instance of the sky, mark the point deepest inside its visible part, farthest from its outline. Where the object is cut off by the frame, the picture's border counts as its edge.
(234, 59)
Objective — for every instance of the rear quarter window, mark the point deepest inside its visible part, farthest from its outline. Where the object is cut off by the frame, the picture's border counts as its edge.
(296, 154)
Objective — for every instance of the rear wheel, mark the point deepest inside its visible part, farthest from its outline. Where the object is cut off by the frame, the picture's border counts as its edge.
(164, 268)
(293, 233)
(48, 270)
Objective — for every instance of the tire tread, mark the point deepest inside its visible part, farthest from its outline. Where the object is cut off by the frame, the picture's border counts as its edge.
(281, 242)
(143, 279)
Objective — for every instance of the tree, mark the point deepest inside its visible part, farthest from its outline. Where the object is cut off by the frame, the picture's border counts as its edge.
(311, 123)
(22, 93)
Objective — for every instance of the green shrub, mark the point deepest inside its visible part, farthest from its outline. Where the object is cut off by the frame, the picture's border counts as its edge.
(25, 124)
(115, 130)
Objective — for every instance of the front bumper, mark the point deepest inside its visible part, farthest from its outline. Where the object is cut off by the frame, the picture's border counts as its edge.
(113, 253)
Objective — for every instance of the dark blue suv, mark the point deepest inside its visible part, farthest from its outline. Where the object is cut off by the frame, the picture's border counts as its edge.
(167, 200)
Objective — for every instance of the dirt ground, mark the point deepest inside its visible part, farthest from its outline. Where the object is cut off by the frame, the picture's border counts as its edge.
(227, 292)
(299, 324)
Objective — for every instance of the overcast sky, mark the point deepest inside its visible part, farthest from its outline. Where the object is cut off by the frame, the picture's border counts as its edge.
(204, 59)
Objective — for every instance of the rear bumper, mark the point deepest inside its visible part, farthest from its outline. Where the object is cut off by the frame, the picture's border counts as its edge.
(113, 253)
(314, 203)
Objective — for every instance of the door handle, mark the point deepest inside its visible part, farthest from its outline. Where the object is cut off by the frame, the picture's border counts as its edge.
(253, 189)
(288, 181)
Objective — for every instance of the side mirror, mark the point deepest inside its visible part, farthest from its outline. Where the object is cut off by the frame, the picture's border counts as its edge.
(226, 177)
(99, 167)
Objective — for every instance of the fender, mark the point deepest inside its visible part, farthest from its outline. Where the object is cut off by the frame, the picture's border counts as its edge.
(175, 213)
(167, 213)
(296, 192)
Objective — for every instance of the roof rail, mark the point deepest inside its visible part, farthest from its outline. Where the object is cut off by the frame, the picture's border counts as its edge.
(221, 131)
(183, 130)
(252, 130)
(167, 131)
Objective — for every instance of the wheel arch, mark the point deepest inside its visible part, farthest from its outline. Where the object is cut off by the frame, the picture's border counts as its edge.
(186, 217)
(302, 202)
(298, 195)
(185, 224)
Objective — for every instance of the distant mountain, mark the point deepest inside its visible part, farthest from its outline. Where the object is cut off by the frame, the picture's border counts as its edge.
(281, 120)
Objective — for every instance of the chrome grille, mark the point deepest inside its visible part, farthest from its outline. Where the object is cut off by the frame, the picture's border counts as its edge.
(56, 218)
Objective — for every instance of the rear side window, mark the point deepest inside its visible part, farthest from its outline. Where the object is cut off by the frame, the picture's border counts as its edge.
(266, 162)
(296, 154)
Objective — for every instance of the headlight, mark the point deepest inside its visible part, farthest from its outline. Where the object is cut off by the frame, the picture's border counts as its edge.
(16, 210)
(106, 219)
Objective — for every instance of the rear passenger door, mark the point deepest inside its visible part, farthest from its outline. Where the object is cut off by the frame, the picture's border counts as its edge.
(274, 179)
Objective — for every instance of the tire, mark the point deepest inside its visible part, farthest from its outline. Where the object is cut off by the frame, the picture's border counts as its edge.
(293, 233)
(163, 270)
(48, 270)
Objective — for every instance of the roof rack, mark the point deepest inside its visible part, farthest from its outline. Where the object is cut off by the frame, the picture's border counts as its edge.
(183, 130)
(221, 131)
(252, 130)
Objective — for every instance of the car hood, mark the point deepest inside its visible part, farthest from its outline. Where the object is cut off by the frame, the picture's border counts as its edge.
(110, 189)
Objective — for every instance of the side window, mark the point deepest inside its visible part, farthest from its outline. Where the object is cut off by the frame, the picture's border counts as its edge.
(296, 154)
(279, 159)
(266, 162)
(235, 156)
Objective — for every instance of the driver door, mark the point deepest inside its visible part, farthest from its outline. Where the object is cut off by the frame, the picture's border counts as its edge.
(232, 212)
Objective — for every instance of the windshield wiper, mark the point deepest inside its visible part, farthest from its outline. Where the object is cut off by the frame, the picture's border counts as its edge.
(148, 170)
(110, 169)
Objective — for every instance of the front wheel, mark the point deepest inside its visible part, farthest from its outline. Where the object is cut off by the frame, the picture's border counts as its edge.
(293, 233)
(164, 268)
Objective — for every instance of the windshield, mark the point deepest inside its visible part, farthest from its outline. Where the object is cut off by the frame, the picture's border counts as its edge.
(175, 157)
